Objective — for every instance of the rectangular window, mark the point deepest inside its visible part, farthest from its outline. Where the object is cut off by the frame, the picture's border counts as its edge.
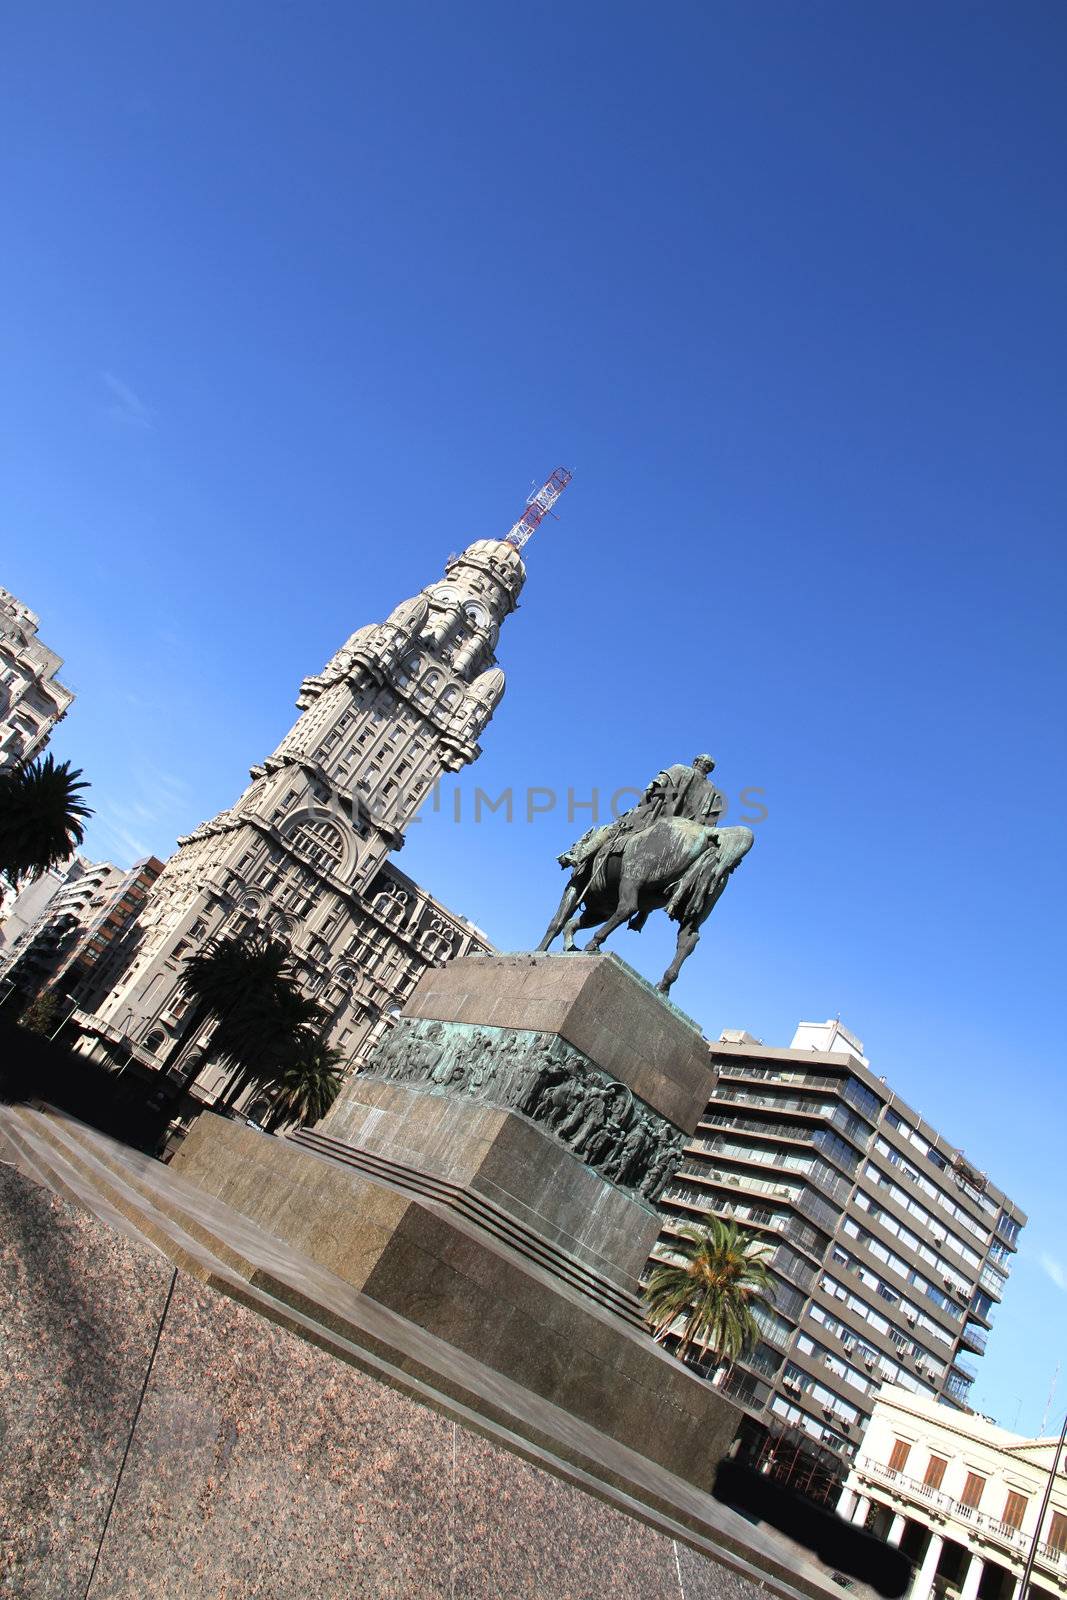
(1015, 1509)
(972, 1490)
(898, 1456)
(935, 1472)
(1057, 1533)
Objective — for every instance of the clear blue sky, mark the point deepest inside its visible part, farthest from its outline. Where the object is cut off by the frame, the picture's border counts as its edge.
(297, 300)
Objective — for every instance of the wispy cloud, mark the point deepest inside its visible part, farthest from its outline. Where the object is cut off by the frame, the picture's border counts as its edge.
(146, 819)
(125, 404)
(1056, 1270)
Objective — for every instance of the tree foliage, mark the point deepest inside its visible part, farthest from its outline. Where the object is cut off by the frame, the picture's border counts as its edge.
(42, 816)
(267, 1030)
(720, 1276)
(307, 1086)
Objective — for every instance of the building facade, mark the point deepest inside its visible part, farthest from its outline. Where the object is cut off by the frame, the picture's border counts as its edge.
(32, 699)
(890, 1253)
(305, 851)
(962, 1497)
(21, 907)
(85, 915)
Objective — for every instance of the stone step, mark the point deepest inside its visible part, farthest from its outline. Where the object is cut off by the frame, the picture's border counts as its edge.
(484, 1215)
(142, 1199)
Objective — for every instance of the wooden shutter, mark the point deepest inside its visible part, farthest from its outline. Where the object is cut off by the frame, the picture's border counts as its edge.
(935, 1472)
(972, 1490)
(1015, 1509)
(1057, 1533)
(898, 1458)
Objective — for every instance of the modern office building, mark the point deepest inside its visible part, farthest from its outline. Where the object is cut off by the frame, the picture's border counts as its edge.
(890, 1251)
(962, 1498)
(32, 699)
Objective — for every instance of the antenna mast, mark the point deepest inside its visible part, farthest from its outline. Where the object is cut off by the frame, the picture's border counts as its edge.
(537, 507)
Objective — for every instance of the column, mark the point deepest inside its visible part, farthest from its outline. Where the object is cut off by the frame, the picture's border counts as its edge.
(863, 1505)
(896, 1529)
(975, 1568)
(924, 1578)
(846, 1503)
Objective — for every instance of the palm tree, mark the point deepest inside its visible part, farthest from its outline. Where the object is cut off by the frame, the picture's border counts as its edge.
(263, 1035)
(42, 816)
(721, 1276)
(235, 980)
(307, 1086)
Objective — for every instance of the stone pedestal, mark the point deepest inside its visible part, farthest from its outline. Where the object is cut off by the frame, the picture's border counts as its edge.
(441, 1188)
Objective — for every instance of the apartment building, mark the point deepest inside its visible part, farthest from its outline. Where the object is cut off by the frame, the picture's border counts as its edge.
(890, 1251)
(32, 699)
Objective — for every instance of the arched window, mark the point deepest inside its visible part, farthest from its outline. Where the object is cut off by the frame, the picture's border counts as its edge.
(155, 1040)
(392, 903)
(319, 841)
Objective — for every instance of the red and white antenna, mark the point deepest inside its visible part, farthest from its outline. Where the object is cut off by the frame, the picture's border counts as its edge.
(537, 507)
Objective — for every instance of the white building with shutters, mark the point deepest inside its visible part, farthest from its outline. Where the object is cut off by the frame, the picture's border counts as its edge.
(961, 1497)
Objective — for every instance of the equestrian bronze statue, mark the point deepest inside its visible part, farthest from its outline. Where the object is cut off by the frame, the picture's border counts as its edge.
(667, 853)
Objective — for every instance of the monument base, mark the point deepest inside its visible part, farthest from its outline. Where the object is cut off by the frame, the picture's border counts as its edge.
(527, 1311)
(448, 1184)
(176, 1432)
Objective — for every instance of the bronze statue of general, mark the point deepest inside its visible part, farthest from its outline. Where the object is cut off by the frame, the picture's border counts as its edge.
(668, 852)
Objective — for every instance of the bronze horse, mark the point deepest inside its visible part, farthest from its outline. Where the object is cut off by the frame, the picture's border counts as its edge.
(672, 863)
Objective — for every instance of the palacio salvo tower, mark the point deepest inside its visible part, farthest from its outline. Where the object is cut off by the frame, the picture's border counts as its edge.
(303, 854)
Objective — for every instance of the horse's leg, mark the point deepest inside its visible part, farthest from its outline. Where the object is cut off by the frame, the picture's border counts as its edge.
(626, 907)
(566, 906)
(688, 935)
(582, 919)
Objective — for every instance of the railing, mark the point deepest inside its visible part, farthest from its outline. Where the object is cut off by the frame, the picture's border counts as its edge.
(806, 1080)
(922, 1491)
(788, 1265)
(993, 1281)
(739, 1386)
(974, 1338)
(1004, 1533)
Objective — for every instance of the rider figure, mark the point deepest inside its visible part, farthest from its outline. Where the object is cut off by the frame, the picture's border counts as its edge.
(678, 791)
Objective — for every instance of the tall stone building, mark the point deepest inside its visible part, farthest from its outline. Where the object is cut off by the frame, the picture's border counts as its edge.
(32, 699)
(304, 853)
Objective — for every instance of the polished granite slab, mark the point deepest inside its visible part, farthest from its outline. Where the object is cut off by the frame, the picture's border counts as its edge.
(260, 1464)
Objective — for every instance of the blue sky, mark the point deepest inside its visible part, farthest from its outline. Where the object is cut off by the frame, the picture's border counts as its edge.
(299, 300)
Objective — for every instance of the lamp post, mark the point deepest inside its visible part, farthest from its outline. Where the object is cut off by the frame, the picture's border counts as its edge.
(1024, 1586)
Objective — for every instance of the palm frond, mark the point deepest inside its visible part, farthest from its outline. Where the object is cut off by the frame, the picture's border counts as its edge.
(718, 1276)
(42, 816)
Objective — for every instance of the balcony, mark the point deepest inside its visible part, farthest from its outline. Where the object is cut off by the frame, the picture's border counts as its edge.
(974, 1338)
(992, 1282)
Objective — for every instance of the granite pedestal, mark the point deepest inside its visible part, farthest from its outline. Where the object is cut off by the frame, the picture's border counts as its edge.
(476, 1222)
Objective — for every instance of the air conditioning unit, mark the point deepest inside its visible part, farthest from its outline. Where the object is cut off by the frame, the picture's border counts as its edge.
(911, 1318)
(868, 1362)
